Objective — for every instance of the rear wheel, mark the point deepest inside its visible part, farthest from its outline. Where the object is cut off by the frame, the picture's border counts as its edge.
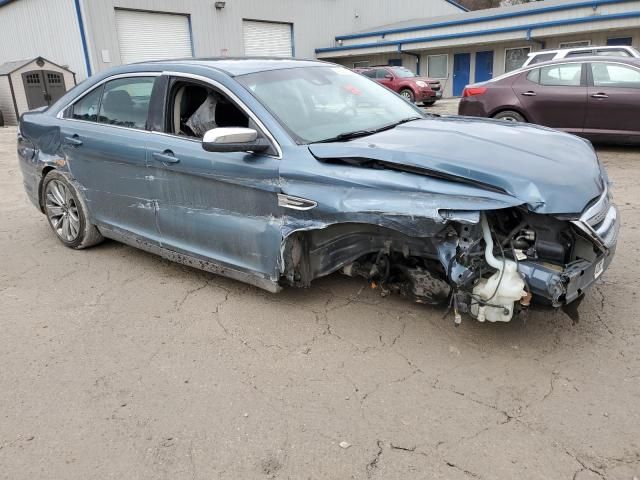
(407, 93)
(66, 212)
(509, 116)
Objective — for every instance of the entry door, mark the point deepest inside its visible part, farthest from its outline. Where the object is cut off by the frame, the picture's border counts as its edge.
(461, 72)
(484, 66)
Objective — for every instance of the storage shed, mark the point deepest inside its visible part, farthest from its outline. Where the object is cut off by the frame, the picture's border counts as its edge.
(29, 84)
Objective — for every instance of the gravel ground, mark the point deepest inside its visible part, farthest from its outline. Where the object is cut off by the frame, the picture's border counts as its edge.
(116, 363)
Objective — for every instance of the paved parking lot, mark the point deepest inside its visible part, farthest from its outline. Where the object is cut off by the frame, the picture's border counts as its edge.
(115, 363)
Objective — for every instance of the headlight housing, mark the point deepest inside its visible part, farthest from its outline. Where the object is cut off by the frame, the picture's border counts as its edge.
(421, 84)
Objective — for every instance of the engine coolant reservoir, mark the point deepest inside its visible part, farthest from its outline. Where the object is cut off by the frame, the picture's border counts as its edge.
(501, 290)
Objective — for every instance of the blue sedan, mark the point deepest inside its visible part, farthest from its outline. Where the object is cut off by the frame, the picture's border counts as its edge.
(277, 172)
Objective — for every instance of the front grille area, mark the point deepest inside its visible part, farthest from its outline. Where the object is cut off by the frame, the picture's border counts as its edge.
(601, 221)
(435, 86)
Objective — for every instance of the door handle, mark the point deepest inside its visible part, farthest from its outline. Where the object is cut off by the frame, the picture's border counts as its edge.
(529, 94)
(74, 141)
(165, 157)
(599, 95)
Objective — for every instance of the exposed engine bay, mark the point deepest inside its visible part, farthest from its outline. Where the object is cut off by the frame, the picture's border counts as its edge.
(491, 265)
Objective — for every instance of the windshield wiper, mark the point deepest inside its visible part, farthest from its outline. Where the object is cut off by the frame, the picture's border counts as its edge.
(364, 133)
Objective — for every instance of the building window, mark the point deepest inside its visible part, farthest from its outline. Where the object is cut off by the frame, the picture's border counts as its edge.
(576, 44)
(514, 58)
(438, 66)
(361, 64)
(620, 41)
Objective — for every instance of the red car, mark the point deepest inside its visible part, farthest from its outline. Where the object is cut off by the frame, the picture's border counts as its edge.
(403, 81)
(594, 97)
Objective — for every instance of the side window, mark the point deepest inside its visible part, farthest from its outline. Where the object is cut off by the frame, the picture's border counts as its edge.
(579, 53)
(369, 73)
(543, 57)
(125, 102)
(87, 107)
(615, 52)
(195, 108)
(381, 73)
(534, 75)
(615, 75)
(568, 75)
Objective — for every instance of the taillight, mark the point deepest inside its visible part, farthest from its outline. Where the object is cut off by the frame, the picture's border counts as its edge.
(471, 91)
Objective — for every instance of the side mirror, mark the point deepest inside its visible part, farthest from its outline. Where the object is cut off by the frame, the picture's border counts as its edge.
(388, 76)
(233, 139)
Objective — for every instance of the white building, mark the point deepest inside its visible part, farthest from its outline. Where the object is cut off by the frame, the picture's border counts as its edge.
(474, 46)
(92, 35)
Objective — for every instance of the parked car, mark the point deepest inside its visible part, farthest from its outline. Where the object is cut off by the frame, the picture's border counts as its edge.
(403, 81)
(236, 166)
(594, 97)
(604, 51)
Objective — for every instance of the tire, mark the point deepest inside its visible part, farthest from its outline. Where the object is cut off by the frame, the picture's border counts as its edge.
(66, 212)
(408, 94)
(428, 104)
(509, 116)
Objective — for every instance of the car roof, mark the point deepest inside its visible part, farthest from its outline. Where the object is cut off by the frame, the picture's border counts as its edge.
(587, 58)
(235, 66)
(579, 49)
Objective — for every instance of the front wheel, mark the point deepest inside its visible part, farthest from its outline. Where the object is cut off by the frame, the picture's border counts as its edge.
(67, 213)
(509, 116)
(408, 95)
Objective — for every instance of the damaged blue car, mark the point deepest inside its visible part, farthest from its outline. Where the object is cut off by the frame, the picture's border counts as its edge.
(277, 172)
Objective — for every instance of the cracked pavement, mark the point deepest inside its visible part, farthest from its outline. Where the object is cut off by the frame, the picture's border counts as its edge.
(117, 363)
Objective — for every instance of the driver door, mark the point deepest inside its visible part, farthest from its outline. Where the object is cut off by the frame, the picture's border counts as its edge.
(221, 207)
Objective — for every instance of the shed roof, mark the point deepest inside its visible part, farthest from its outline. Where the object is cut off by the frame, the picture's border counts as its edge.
(10, 67)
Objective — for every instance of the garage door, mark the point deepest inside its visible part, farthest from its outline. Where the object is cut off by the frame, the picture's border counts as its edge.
(267, 39)
(152, 36)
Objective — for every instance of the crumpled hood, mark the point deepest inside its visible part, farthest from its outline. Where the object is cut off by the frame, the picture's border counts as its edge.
(549, 171)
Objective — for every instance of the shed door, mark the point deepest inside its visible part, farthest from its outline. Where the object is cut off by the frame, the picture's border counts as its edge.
(267, 39)
(54, 82)
(152, 36)
(34, 89)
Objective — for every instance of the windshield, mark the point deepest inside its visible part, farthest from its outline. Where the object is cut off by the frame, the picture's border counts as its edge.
(403, 72)
(321, 103)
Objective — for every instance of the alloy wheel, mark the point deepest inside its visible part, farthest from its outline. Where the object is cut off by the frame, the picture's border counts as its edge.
(62, 211)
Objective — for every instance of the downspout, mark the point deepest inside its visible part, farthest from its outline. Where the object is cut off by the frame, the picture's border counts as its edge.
(416, 55)
(83, 38)
(542, 43)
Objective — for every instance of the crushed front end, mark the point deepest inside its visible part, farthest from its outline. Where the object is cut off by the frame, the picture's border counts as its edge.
(494, 264)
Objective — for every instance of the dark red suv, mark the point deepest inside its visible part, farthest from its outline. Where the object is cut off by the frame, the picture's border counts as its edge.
(403, 81)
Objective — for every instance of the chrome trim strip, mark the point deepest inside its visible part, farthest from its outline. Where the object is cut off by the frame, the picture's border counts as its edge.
(295, 203)
(233, 96)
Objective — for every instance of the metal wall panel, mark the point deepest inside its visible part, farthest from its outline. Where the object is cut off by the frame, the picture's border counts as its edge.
(217, 32)
(32, 28)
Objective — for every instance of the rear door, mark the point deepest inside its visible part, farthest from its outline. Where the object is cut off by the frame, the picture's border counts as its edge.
(554, 95)
(104, 138)
(614, 99)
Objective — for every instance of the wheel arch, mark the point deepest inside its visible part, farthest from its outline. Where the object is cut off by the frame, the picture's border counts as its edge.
(508, 108)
